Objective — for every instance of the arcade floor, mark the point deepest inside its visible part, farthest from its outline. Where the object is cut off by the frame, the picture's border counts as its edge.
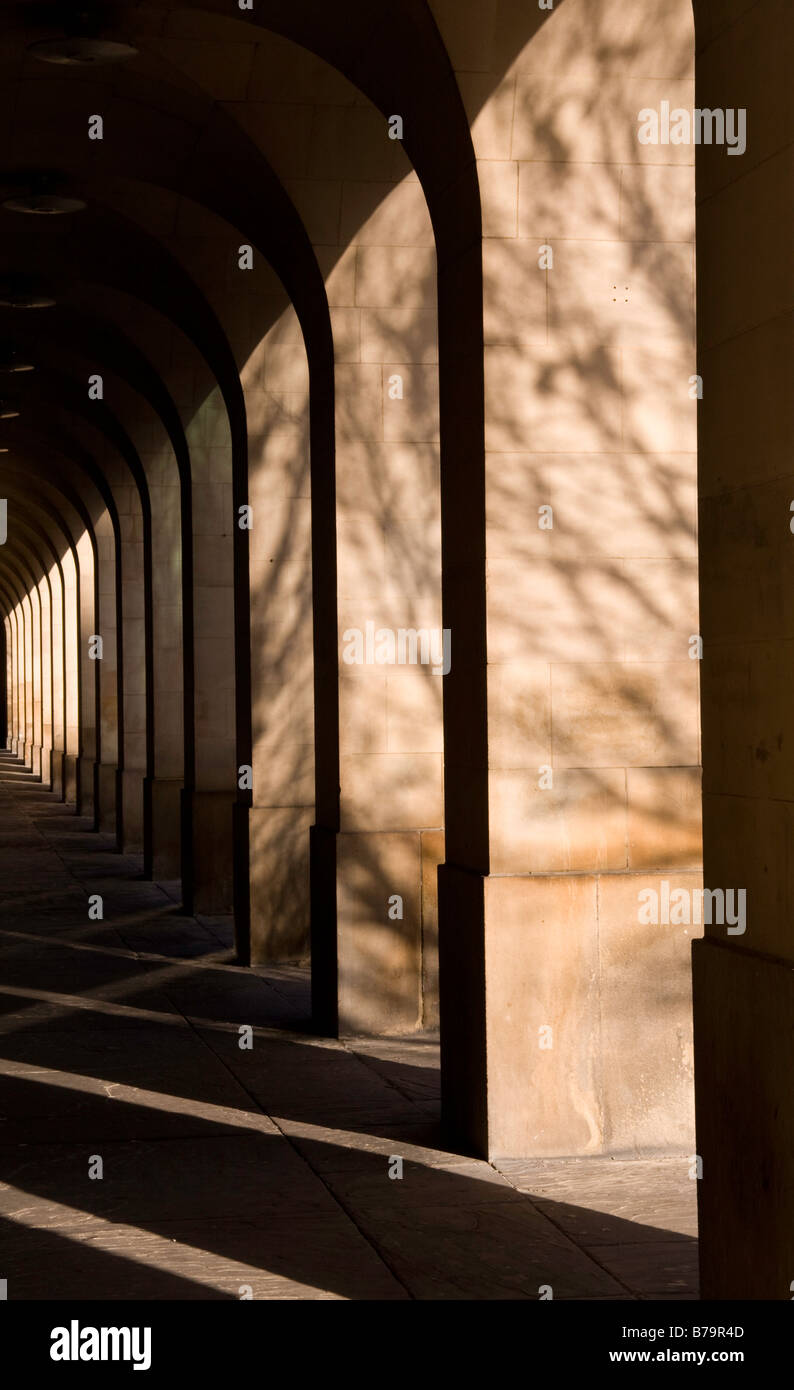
(146, 1154)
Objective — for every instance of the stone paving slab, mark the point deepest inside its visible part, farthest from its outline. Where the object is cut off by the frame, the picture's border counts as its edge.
(290, 1257)
(654, 1267)
(332, 1150)
(145, 1182)
(473, 1250)
(449, 1184)
(319, 1083)
(635, 1193)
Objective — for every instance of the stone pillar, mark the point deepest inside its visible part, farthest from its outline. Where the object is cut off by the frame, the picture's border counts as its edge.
(107, 675)
(373, 878)
(11, 667)
(27, 679)
(45, 599)
(134, 657)
(71, 677)
(36, 679)
(57, 590)
(744, 982)
(281, 634)
(16, 642)
(592, 754)
(9, 691)
(20, 676)
(391, 648)
(88, 676)
(164, 789)
(19, 731)
(209, 805)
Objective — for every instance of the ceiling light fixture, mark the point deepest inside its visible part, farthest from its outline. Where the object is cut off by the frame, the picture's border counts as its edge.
(18, 294)
(82, 50)
(10, 361)
(48, 204)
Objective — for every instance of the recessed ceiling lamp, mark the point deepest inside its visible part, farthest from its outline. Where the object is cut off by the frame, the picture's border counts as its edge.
(10, 361)
(82, 50)
(48, 204)
(20, 294)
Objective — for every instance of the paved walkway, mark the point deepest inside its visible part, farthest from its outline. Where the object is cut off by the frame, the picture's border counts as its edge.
(261, 1172)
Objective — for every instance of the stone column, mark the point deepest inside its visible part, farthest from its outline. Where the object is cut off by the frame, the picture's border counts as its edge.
(744, 982)
(9, 640)
(45, 598)
(71, 676)
(27, 679)
(134, 657)
(13, 688)
(374, 879)
(57, 589)
(107, 674)
(36, 678)
(164, 790)
(88, 676)
(276, 383)
(590, 593)
(211, 802)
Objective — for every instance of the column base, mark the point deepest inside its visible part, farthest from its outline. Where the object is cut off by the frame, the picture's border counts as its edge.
(109, 792)
(70, 778)
(279, 879)
(373, 903)
(241, 878)
(162, 796)
(131, 838)
(323, 931)
(461, 962)
(57, 774)
(207, 851)
(543, 981)
(88, 789)
(744, 1033)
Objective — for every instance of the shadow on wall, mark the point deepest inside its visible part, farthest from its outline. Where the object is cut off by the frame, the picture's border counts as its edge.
(610, 603)
(609, 421)
(600, 357)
